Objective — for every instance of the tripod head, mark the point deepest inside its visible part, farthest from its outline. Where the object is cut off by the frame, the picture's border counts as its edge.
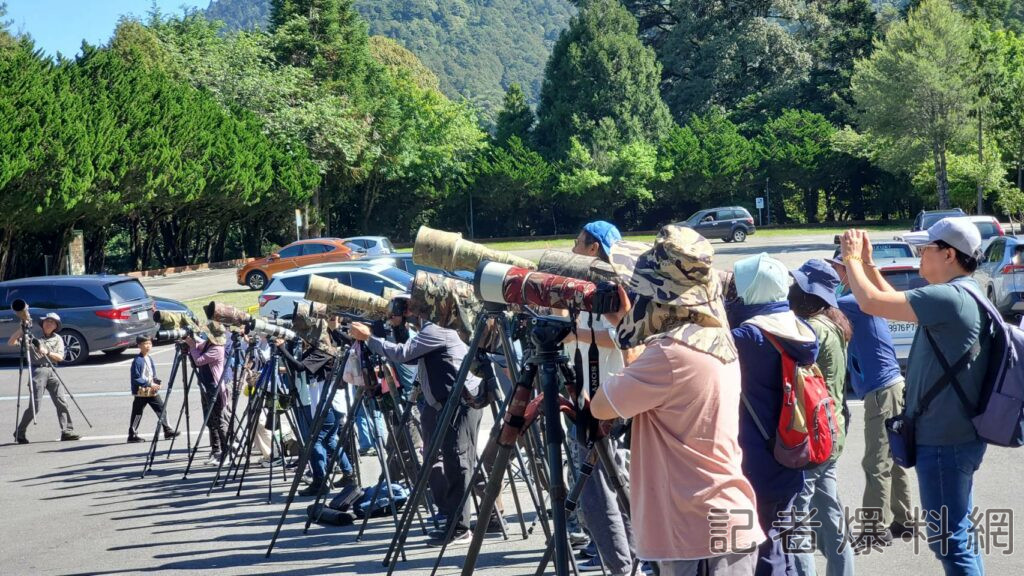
(549, 331)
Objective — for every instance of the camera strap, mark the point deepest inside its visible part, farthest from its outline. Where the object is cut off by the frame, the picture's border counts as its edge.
(593, 358)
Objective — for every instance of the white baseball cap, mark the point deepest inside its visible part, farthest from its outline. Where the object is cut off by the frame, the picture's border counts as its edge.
(956, 231)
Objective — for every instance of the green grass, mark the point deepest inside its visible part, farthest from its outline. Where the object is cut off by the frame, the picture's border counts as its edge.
(241, 298)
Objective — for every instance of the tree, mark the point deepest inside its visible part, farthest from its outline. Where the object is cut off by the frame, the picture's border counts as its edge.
(915, 89)
(600, 73)
(515, 117)
(795, 150)
(1009, 100)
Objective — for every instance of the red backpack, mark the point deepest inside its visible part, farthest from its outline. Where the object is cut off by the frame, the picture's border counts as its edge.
(807, 422)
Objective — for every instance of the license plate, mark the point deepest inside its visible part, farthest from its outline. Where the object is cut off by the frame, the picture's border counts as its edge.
(143, 315)
(902, 328)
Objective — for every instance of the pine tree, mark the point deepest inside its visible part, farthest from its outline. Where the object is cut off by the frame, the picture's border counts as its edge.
(515, 117)
(600, 74)
(327, 36)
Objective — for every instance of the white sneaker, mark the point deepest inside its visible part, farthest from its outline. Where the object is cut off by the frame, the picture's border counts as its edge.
(213, 461)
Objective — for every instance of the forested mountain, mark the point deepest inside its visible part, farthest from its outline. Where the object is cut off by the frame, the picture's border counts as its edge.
(477, 48)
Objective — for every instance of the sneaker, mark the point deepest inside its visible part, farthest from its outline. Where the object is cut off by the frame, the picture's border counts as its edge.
(461, 537)
(592, 565)
(368, 452)
(315, 489)
(135, 439)
(578, 540)
(497, 525)
(69, 437)
(587, 552)
(213, 461)
(21, 440)
(169, 433)
(901, 532)
(264, 463)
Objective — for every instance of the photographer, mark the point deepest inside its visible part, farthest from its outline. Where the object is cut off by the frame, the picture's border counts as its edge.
(208, 355)
(683, 393)
(608, 526)
(45, 351)
(439, 353)
(146, 390)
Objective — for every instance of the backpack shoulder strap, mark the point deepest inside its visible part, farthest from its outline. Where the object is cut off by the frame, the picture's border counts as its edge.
(757, 421)
(949, 376)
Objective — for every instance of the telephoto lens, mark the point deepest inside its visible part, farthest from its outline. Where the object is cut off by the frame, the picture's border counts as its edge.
(272, 331)
(501, 283)
(20, 309)
(578, 266)
(226, 314)
(171, 335)
(449, 251)
(345, 299)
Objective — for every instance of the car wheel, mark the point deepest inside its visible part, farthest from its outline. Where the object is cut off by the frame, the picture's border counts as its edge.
(115, 351)
(76, 349)
(256, 280)
(739, 235)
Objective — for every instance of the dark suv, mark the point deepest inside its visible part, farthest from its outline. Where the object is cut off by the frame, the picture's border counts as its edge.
(732, 223)
(925, 218)
(103, 312)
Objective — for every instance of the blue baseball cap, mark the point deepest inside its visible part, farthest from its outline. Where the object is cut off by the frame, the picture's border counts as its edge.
(818, 278)
(605, 232)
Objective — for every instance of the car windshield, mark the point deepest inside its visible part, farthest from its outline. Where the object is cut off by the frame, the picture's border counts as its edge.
(930, 219)
(401, 277)
(903, 278)
(694, 219)
(126, 291)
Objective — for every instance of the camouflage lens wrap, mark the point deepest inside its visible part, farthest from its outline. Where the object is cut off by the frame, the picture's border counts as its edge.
(526, 287)
(576, 266)
(226, 314)
(447, 302)
(337, 296)
(449, 251)
(174, 320)
(313, 331)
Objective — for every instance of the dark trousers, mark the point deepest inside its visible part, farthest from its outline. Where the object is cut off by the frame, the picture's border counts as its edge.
(459, 452)
(138, 406)
(437, 480)
(218, 420)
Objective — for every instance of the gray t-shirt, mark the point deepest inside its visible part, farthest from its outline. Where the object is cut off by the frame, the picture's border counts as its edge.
(54, 343)
(955, 321)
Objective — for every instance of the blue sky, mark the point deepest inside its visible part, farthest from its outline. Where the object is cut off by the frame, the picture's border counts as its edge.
(61, 25)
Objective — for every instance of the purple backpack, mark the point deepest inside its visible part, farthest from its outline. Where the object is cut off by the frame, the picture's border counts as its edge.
(999, 418)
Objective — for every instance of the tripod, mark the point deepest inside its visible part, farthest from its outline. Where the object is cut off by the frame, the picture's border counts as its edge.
(444, 422)
(180, 363)
(25, 367)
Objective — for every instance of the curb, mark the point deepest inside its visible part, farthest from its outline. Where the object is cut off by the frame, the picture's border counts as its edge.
(189, 268)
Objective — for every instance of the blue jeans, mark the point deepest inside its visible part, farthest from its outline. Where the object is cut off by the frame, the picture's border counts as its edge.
(945, 479)
(326, 442)
(363, 428)
(821, 493)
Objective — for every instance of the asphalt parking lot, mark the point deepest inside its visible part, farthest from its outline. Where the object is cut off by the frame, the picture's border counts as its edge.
(81, 507)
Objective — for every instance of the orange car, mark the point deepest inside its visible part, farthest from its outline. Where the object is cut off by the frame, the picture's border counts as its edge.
(301, 253)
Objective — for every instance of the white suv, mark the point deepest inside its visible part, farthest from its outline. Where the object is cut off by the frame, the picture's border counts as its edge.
(279, 298)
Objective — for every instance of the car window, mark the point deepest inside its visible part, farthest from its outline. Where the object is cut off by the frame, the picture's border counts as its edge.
(1018, 255)
(296, 283)
(313, 248)
(400, 277)
(367, 283)
(291, 251)
(884, 251)
(902, 279)
(342, 277)
(987, 229)
(995, 252)
(354, 246)
(695, 218)
(37, 296)
(126, 291)
(723, 215)
(78, 297)
(387, 244)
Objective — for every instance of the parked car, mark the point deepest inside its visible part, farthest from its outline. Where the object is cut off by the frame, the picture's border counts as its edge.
(403, 261)
(731, 224)
(884, 250)
(98, 312)
(925, 218)
(988, 226)
(300, 253)
(902, 274)
(287, 288)
(370, 245)
(1001, 274)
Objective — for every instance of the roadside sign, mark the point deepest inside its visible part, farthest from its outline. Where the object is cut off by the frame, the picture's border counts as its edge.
(759, 202)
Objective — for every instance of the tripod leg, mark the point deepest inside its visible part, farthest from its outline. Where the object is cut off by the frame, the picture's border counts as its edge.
(206, 421)
(304, 458)
(68, 390)
(162, 420)
(186, 385)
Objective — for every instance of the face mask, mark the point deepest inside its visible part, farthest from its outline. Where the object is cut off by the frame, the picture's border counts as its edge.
(841, 289)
